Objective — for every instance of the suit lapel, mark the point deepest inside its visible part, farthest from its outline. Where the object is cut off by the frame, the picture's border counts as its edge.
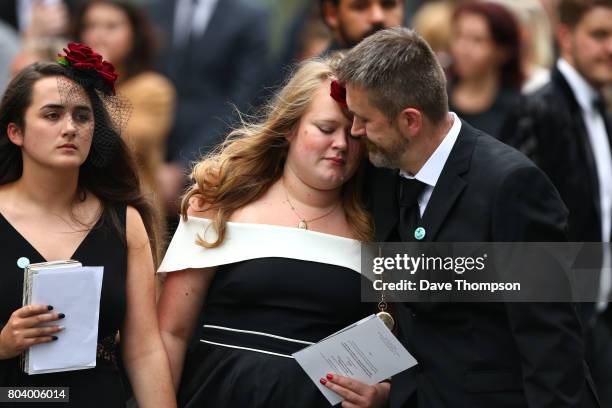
(381, 188)
(582, 137)
(218, 19)
(450, 184)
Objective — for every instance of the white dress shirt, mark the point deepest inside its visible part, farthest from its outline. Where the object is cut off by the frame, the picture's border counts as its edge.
(191, 18)
(431, 170)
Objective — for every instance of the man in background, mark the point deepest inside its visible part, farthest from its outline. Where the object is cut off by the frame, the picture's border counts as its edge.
(353, 20)
(564, 128)
(215, 54)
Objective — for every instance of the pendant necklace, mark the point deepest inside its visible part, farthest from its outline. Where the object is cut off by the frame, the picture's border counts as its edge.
(303, 223)
(383, 314)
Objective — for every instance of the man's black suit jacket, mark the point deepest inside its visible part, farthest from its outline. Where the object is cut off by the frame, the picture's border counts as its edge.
(222, 68)
(549, 128)
(486, 354)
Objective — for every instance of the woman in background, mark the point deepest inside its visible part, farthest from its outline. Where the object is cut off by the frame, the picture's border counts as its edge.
(537, 41)
(121, 32)
(485, 76)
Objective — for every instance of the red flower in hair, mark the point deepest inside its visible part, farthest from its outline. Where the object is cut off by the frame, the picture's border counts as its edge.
(338, 92)
(81, 56)
(107, 71)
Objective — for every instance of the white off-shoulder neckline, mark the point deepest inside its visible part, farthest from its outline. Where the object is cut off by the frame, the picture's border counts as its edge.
(246, 241)
(257, 225)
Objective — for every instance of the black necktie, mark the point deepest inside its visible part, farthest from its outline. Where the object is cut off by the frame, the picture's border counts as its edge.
(408, 193)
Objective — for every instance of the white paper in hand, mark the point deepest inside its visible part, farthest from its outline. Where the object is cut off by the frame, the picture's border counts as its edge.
(366, 351)
(76, 293)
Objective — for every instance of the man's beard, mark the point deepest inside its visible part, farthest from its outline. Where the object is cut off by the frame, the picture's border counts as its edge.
(387, 158)
(351, 42)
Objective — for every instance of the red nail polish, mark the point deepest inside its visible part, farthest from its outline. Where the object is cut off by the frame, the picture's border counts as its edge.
(330, 376)
(323, 381)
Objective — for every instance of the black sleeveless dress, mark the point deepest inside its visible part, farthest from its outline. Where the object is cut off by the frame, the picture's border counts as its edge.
(101, 386)
(276, 290)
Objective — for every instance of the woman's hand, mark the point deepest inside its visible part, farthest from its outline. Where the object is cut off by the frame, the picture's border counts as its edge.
(23, 330)
(357, 394)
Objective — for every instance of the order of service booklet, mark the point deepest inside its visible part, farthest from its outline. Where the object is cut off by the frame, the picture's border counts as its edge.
(366, 351)
(75, 291)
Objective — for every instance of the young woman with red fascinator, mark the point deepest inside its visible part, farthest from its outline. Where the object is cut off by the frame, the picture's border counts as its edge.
(69, 190)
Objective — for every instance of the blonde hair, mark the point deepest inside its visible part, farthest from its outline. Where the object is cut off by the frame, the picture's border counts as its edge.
(433, 21)
(533, 18)
(253, 156)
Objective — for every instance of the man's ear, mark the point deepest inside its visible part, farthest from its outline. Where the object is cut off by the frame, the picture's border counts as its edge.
(330, 14)
(410, 122)
(15, 134)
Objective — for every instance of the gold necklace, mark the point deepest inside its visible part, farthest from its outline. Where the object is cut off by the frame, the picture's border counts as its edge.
(303, 224)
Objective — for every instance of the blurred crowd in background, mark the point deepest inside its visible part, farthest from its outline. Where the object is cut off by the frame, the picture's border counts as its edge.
(189, 66)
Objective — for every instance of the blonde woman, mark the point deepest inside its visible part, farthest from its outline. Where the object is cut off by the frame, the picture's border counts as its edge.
(268, 248)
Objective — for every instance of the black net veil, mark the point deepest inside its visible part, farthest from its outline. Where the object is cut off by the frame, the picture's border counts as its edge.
(111, 112)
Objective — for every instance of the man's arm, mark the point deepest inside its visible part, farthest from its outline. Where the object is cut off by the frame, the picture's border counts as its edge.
(548, 336)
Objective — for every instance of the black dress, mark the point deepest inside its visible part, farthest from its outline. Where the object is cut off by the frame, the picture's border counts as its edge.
(101, 386)
(491, 119)
(276, 290)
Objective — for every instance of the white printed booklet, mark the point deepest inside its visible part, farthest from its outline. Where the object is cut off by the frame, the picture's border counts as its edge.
(366, 351)
(74, 290)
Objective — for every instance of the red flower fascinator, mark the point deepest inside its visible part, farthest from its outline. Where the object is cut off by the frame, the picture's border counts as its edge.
(86, 69)
(81, 57)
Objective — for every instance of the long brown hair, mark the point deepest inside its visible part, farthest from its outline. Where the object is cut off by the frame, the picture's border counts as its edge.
(116, 183)
(505, 32)
(253, 156)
